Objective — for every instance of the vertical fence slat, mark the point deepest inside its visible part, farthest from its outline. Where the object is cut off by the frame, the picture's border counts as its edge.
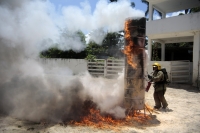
(105, 68)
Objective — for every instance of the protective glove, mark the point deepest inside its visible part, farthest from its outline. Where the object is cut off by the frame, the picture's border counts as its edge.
(150, 77)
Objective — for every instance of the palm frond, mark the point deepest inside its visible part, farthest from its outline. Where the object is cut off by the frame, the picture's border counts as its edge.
(147, 3)
(132, 4)
(113, 0)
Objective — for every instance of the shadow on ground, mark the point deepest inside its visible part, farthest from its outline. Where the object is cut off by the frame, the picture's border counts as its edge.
(187, 87)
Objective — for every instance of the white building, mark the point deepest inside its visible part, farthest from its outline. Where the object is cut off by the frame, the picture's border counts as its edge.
(183, 28)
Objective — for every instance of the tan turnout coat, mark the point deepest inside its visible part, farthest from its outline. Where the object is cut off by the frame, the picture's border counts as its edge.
(157, 77)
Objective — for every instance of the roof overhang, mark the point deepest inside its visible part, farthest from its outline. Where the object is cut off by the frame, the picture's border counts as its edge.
(168, 6)
(174, 39)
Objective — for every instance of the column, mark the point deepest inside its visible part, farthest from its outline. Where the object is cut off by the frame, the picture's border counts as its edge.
(196, 50)
(150, 12)
(163, 15)
(149, 48)
(162, 51)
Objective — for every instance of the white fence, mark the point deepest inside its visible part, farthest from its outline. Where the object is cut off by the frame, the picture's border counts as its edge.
(178, 71)
(57, 66)
(105, 68)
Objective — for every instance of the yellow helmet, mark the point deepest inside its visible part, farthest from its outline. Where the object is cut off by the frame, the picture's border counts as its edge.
(158, 65)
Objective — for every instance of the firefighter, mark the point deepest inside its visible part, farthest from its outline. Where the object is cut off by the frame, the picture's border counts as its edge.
(159, 86)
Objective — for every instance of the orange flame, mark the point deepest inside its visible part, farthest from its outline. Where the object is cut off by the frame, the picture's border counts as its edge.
(130, 49)
(95, 119)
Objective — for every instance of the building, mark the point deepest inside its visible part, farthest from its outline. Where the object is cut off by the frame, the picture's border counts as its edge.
(183, 28)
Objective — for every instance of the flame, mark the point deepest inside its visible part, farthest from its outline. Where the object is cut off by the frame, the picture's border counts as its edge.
(130, 49)
(105, 121)
(150, 109)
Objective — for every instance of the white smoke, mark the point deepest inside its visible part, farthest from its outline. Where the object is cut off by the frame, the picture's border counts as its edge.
(26, 28)
(97, 36)
(107, 16)
(108, 95)
(36, 21)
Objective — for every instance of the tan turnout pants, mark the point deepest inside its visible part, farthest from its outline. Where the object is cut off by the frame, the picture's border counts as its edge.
(159, 99)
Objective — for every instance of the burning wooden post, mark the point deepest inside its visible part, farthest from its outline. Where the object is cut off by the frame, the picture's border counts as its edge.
(134, 89)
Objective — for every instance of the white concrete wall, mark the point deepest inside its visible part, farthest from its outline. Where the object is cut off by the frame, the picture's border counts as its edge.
(178, 25)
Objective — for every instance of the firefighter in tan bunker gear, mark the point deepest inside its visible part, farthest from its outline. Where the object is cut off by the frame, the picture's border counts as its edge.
(159, 86)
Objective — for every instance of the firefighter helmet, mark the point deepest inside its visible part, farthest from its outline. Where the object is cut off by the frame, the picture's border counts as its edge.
(158, 65)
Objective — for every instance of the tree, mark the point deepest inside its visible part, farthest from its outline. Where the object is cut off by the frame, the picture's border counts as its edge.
(81, 35)
(147, 3)
(155, 56)
(113, 0)
(112, 43)
(132, 3)
(192, 10)
(110, 47)
(111, 39)
(55, 52)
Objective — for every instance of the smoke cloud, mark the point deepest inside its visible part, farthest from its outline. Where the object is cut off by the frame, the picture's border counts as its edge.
(27, 28)
(107, 16)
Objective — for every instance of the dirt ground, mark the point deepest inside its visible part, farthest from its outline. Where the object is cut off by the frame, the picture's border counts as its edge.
(183, 116)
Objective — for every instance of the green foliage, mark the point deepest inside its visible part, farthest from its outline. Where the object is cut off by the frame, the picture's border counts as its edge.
(112, 58)
(94, 49)
(113, 0)
(54, 52)
(179, 45)
(155, 56)
(132, 4)
(197, 9)
(51, 53)
(81, 35)
(173, 51)
(111, 39)
(109, 48)
(57, 53)
(90, 57)
(192, 10)
(181, 14)
(147, 3)
(112, 43)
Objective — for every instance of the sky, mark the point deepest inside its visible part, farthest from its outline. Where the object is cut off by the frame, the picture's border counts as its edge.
(77, 3)
(61, 3)
(93, 10)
